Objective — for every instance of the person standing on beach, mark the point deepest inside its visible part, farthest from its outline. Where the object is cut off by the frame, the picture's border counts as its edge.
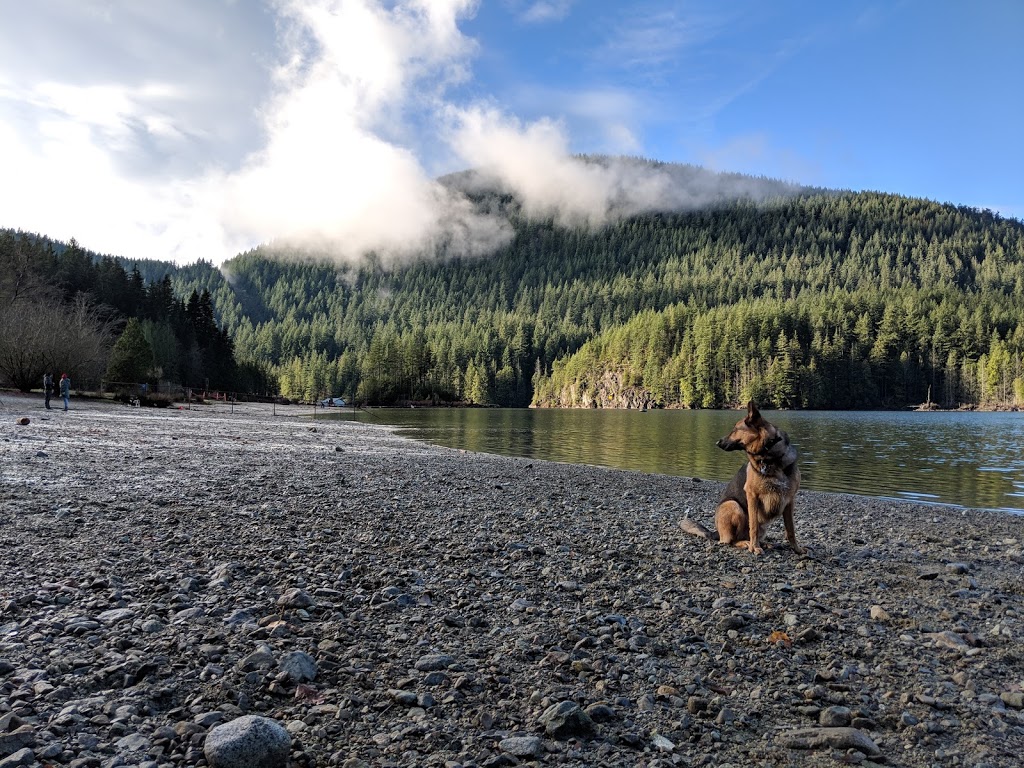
(47, 388)
(65, 389)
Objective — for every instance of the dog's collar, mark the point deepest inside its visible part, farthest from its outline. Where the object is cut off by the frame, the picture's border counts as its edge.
(764, 467)
(762, 461)
(768, 446)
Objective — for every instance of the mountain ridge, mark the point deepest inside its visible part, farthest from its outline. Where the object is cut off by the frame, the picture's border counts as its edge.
(821, 268)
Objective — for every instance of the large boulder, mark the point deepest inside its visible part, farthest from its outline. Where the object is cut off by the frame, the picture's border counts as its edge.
(248, 742)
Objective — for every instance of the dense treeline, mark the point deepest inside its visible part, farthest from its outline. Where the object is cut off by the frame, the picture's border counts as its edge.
(884, 301)
(822, 300)
(818, 299)
(66, 308)
(840, 350)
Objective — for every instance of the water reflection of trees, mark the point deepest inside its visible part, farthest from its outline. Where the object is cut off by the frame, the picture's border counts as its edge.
(963, 459)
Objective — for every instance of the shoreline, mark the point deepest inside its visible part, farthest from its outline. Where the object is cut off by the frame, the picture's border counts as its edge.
(161, 565)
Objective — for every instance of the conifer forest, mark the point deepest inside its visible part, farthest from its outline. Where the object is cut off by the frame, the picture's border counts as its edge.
(815, 300)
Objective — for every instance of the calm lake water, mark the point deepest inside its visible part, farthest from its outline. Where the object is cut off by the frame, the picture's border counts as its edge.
(966, 459)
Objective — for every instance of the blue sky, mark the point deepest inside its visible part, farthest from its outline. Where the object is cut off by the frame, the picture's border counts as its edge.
(184, 129)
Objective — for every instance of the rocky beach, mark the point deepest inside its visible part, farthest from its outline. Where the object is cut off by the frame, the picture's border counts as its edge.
(164, 573)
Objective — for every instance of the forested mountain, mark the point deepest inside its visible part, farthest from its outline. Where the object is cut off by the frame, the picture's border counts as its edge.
(820, 300)
(853, 301)
(797, 298)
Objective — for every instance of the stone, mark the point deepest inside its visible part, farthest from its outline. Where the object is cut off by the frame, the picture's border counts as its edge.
(878, 613)
(600, 712)
(115, 616)
(521, 746)
(835, 716)
(662, 744)
(433, 679)
(950, 640)
(1014, 699)
(134, 742)
(152, 626)
(298, 666)
(295, 598)
(830, 738)
(208, 719)
(23, 756)
(21, 737)
(404, 698)
(566, 720)
(725, 716)
(261, 658)
(249, 741)
(434, 662)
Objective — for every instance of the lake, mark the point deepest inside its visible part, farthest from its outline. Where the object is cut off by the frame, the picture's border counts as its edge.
(966, 459)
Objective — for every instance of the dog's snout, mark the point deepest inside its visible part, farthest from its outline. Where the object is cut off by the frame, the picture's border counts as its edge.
(726, 444)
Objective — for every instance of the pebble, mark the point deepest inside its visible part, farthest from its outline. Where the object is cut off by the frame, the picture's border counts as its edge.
(298, 666)
(835, 738)
(23, 756)
(878, 613)
(1013, 699)
(566, 720)
(434, 662)
(435, 607)
(835, 716)
(521, 746)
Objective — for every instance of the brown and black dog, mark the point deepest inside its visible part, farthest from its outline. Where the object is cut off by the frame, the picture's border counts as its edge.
(764, 488)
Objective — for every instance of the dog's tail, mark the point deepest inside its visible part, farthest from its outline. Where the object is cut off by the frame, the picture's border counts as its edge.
(696, 529)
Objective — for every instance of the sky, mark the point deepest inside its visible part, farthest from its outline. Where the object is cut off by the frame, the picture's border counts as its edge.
(197, 129)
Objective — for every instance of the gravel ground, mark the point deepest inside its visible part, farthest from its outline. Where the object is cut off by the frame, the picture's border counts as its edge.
(392, 603)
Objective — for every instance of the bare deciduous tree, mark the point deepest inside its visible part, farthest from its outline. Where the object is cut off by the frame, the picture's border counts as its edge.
(39, 334)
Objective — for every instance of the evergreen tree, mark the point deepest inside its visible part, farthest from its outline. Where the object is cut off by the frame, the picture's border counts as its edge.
(131, 360)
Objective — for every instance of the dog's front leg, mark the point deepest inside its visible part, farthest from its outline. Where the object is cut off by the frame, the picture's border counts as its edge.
(754, 516)
(787, 518)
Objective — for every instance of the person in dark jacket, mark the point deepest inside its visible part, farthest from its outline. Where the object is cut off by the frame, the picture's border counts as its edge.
(47, 388)
(65, 389)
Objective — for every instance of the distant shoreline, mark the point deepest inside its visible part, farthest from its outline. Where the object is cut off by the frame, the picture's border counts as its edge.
(922, 408)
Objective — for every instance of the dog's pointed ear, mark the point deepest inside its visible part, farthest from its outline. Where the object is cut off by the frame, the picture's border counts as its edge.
(753, 415)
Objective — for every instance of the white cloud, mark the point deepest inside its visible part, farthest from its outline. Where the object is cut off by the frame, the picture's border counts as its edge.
(330, 175)
(534, 162)
(546, 10)
(162, 156)
(98, 205)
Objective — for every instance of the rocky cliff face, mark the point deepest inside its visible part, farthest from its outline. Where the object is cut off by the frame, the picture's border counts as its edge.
(611, 390)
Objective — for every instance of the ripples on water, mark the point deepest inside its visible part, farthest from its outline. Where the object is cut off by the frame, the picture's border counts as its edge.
(966, 459)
